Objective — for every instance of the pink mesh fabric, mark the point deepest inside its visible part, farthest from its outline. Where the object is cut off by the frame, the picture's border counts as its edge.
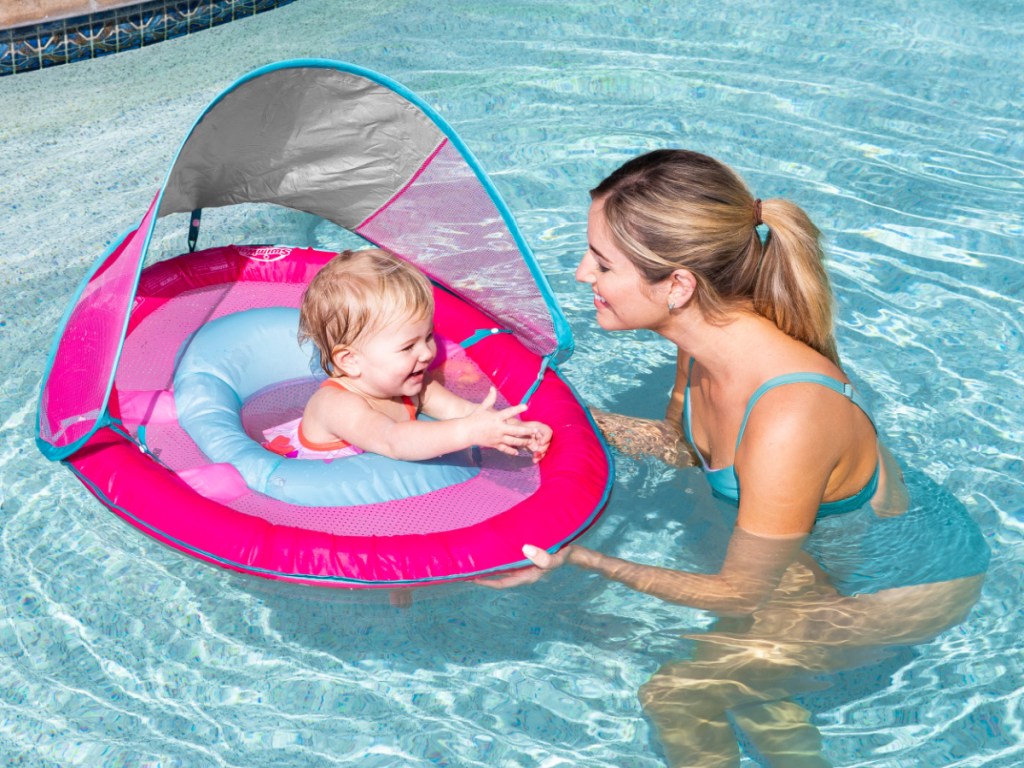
(503, 482)
(276, 405)
(445, 222)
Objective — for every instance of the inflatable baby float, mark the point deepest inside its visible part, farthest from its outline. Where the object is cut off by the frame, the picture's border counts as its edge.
(164, 377)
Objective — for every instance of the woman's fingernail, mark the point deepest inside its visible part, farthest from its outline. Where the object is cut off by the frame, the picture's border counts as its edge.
(529, 550)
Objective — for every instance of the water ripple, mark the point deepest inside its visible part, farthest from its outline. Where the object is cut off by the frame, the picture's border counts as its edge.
(899, 132)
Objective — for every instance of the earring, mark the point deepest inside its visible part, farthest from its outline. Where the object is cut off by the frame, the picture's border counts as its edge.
(671, 306)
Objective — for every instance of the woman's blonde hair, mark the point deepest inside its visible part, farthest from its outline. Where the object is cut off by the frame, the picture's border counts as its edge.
(672, 209)
(355, 295)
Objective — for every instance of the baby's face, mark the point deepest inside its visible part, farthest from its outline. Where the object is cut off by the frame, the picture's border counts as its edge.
(394, 361)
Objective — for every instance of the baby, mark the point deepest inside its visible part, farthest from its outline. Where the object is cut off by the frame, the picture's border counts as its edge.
(371, 317)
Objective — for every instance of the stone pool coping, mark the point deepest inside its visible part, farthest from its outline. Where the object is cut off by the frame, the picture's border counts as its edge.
(44, 33)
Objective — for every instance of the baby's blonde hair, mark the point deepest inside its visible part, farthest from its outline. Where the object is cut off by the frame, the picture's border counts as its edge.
(355, 295)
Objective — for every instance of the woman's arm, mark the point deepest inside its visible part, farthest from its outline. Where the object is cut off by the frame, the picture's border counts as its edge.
(752, 568)
(799, 450)
(892, 497)
(784, 465)
(659, 439)
(637, 437)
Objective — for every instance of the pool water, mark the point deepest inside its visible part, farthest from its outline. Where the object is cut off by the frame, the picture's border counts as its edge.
(898, 130)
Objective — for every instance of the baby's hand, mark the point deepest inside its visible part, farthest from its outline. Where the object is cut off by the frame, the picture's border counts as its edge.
(502, 429)
(540, 439)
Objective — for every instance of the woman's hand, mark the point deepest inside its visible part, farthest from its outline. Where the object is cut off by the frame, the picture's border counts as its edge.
(542, 561)
(540, 440)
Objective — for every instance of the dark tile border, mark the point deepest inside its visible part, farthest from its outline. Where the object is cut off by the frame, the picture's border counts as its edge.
(37, 46)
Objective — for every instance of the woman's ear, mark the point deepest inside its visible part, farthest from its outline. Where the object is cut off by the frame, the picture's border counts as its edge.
(681, 287)
(345, 361)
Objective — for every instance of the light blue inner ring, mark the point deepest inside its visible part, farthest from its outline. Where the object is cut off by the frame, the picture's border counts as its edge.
(232, 358)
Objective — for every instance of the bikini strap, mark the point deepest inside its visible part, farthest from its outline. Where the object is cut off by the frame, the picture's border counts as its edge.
(687, 430)
(687, 418)
(411, 407)
(333, 383)
(835, 385)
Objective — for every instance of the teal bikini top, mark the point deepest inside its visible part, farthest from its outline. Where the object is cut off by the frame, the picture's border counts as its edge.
(724, 481)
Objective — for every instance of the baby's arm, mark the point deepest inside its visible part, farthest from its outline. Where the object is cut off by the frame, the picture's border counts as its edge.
(349, 417)
(441, 403)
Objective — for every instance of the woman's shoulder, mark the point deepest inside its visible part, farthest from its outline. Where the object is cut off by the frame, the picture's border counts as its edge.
(810, 427)
(806, 393)
(790, 370)
(796, 393)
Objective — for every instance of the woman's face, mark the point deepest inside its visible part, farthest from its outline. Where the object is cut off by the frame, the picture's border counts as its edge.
(622, 298)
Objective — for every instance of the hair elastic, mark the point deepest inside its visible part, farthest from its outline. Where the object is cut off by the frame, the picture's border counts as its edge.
(760, 227)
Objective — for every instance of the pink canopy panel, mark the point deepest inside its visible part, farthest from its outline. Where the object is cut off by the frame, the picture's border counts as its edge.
(445, 195)
(74, 397)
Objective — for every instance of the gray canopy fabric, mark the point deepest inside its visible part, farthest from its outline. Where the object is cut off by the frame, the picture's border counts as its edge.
(352, 147)
(328, 142)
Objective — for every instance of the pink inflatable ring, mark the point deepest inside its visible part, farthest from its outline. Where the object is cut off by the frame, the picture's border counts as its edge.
(148, 470)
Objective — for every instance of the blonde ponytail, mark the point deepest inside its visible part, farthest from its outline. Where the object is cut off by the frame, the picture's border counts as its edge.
(791, 287)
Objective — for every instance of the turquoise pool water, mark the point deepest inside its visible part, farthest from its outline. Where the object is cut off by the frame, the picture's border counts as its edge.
(899, 131)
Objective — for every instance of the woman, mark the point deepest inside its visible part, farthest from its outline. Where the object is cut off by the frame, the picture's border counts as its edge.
(679, 246)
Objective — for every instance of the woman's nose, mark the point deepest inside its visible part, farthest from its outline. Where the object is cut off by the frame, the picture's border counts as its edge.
(585, 271)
